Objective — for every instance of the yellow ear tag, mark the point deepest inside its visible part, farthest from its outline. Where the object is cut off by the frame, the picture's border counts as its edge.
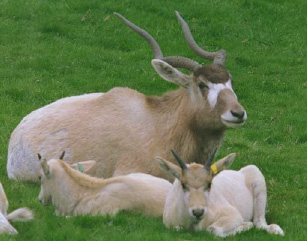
(214, 169)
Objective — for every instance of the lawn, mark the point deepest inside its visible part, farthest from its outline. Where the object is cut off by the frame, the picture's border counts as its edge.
(53, 49)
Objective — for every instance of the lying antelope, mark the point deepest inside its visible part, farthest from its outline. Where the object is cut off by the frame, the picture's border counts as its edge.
(21, 214)
(124, 130)
(222, 202)
(75, 193)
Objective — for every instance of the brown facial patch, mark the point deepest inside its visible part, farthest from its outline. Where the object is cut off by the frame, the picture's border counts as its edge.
(196, 176)
(213, 73)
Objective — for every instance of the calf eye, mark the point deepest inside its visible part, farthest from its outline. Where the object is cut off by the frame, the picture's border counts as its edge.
(202, 85)
(184, 187)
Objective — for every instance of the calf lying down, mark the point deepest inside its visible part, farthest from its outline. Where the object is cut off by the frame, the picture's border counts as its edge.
(21, 214)
(74, 193)
(223, 204)
(199, 199)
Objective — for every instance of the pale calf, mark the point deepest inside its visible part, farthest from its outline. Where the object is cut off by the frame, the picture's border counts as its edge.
(223, 204)
(74, 193)
(21, 214)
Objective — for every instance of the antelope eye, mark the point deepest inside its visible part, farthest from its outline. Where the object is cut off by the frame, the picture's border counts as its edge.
(40, 178)
(202, 85)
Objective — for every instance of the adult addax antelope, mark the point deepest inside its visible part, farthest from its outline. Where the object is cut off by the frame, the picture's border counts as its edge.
(123, 130)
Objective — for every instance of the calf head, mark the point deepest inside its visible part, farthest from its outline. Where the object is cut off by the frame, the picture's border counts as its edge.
(49, 173)
(195, 181)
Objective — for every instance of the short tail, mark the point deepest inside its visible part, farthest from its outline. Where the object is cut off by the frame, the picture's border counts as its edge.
(20, 214)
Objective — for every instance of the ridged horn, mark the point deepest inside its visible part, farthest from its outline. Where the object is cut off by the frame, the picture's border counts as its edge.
(152, 42)
(175, 61)
(218, 57)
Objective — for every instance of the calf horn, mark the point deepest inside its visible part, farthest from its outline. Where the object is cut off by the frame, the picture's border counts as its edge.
(179, 160)
(208, 163)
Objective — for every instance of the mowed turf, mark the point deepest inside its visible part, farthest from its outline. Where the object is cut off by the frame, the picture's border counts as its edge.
(53, 49)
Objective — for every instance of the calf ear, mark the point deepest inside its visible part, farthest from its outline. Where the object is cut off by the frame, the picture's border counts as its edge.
(223, 163)
(170, 73)
(169, 167)
(45, 167)
(84, 166)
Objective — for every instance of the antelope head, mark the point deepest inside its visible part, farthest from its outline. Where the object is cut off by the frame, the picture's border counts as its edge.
(45, 175)
(209, 86)
(195, 181)
(49, 173)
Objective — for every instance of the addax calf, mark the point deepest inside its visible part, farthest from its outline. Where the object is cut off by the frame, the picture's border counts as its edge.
(21, 214)
(224, 204)
(74, 193)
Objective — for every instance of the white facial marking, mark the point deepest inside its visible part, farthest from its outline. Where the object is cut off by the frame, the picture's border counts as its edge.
(214, 90)
(186, 197)
(207, 195)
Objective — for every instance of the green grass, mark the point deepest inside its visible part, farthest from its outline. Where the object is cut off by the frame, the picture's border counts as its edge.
(48, 52)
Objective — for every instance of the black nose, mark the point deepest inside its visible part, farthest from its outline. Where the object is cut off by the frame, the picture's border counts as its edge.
(198, 213)
(238, 114)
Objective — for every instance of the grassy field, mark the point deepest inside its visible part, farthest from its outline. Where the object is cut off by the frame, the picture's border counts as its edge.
(53, 49)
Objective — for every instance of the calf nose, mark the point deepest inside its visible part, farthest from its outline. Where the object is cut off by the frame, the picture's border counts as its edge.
(238, 114)
(198, 213)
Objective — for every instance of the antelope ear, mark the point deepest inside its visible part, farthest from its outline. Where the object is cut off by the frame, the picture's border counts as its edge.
(84, 166)
(169, 167)
(45, 167)
(170, 73)
(223, 163)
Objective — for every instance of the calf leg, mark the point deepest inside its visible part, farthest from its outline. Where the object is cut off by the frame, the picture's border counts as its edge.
(99, 204)
(229, 222)
(256, 182)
